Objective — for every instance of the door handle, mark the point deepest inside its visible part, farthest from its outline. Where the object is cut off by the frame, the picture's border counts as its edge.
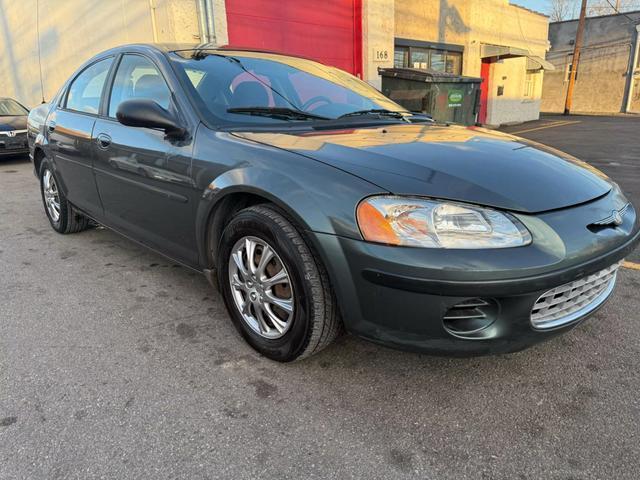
(52, 126)
(103, 140)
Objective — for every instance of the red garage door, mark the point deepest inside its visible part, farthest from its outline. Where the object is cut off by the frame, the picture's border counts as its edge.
(329, 31)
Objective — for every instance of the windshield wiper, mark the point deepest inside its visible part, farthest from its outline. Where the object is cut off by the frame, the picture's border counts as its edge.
(277, 112)
(375, 111)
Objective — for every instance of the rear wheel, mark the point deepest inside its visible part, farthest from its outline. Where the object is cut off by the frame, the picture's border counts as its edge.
(275, 288)
(64, 218)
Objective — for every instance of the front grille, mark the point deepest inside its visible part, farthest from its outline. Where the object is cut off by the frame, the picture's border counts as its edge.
(569, 302)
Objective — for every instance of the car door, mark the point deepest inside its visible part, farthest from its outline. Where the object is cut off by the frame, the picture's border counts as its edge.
(70, 127)
(143, 176)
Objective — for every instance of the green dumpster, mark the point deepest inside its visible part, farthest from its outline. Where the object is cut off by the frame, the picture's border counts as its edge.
(444, 96)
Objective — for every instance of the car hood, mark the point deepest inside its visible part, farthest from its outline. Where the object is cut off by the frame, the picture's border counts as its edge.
(13, 123)
(467, 164)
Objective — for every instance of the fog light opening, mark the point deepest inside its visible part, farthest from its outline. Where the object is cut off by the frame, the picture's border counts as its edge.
(470, 318)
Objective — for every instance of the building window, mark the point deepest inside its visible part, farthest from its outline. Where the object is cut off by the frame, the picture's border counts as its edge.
(454, 63)
(530, 84)
(401, 57)
(438, 60)
(426, 58)
(568, 72)
(419, 58)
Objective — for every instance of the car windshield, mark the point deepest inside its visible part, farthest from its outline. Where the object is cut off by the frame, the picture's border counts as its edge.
(11, 108)
(242, 87)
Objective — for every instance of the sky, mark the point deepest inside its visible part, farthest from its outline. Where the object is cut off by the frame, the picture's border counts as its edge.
(544, 6)
(537, 5)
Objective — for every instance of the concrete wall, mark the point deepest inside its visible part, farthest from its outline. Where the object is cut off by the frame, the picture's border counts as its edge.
(377, 38)
(442, 21)
(472, 23)
(604, 64)
(499, 23)
(74, 30)
(512, 106)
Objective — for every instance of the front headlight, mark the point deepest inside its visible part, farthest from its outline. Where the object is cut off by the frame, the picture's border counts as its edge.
(418, 222)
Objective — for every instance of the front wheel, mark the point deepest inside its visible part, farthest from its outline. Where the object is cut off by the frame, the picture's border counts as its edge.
(61, 214)
(276, 290)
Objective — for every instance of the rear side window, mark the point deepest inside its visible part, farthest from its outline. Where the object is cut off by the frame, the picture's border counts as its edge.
(85, 91)
(138, 78)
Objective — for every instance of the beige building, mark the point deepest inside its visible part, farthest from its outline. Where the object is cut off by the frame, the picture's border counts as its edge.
(43, 41)
(51, 38)
(503, 43)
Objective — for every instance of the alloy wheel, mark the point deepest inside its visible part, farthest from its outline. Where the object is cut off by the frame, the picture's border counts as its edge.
(51, 196)
(261, 287)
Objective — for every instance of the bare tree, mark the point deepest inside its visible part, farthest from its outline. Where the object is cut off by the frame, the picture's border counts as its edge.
(560, 10)
(609, 7)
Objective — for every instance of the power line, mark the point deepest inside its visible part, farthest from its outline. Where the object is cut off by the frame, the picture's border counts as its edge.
(615, 9)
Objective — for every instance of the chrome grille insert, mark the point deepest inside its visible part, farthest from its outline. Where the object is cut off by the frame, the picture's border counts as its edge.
(12, 133)
(569, 302)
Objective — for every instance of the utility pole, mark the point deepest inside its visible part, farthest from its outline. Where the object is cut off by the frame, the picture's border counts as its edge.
(576, 58)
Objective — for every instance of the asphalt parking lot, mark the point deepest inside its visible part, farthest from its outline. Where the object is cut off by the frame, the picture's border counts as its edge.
(610, 144)
(116, 363)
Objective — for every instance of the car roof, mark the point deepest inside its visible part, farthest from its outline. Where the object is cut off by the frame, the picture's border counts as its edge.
(177, 47)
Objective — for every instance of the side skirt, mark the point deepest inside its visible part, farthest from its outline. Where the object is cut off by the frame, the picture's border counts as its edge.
(142, 244)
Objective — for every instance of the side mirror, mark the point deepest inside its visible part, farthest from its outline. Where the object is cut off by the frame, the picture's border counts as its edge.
(147, 113)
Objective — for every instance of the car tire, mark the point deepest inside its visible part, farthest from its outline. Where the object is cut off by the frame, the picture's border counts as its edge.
(63, 217)
(313, 322)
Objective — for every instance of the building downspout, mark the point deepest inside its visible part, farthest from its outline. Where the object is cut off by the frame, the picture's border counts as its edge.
(212, 17)
(202, 20)
(154, 25)
(211, 28)
(632, 69)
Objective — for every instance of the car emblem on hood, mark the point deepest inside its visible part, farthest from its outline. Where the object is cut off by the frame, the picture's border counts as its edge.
(616, 217)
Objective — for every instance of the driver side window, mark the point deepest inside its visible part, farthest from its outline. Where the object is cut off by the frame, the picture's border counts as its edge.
(138, 78)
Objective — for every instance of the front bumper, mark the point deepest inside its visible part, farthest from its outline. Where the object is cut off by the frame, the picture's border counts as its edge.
(14, 146)
(14, 152)
(398, 296)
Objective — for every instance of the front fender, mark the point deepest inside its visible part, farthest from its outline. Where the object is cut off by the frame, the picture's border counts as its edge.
(313, 207)
(288, 194)
(318, 197)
